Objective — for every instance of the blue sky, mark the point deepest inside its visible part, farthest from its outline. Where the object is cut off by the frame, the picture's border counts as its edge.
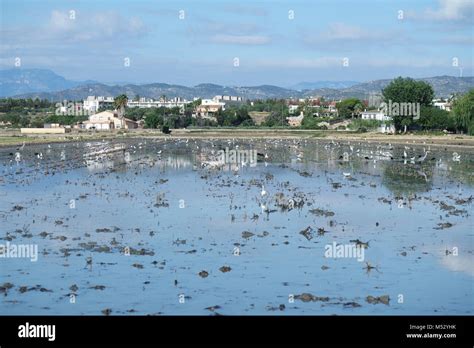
(373, 37)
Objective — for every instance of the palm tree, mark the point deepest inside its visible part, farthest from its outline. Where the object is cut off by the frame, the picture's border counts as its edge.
(357, 109)
(120, 104)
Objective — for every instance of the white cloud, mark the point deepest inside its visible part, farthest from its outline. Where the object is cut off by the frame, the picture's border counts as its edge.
(241, 39)
(322, 62)
(341, 32)
(94, 27)
(448, 10)
(62, 27)
(246, 10)
(354, 62)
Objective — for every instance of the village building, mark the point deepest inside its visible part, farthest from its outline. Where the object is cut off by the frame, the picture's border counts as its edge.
(209, 107)
(292, 108)
(295, 121)
(92, 104)
(227, 98)
(441, 104)
(374, 115)
(108, 120)
(152, 103)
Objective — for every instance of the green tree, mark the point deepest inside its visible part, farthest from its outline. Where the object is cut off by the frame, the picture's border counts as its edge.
(464, 113)
(120, 103)
(407, 90)
(348, 108)
(433, 118)
(152, 120)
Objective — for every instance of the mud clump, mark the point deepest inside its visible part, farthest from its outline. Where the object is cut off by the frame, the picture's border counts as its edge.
(247, 234)
(308, 233)
(106, 311)
(225, 269)
(203, 274)
(5, 287)
(385, 299)
(321, 212)
(307, 297)
(443, 225)
(103, 230)
(351, 305)
(360, 243)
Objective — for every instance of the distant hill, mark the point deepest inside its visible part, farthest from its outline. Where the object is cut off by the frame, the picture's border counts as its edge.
(23, 81)
(156, 90)
(443, 86)
(302, 86)
(45, 84)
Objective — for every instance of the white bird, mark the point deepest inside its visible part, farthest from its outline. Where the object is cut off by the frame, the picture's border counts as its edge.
(456, 157)
(347, 175)
(405, 154)
(424, 157)
(263, 193)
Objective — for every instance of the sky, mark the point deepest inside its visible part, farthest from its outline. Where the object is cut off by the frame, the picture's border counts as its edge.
(239, 42)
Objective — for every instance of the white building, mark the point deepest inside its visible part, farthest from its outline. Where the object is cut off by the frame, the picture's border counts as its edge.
(293, 108)
(295, 121)
(209, 107)
(151, 103)
(227, 98)
(108, 120)
(384, 128)
(93, 103)
(375, 115)
(443, 105)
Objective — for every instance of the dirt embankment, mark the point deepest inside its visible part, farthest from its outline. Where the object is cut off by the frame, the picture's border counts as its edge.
(12, 138)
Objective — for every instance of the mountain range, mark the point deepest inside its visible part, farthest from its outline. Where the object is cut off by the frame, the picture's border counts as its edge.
(23, 81)
(322, 84)
(45, 84)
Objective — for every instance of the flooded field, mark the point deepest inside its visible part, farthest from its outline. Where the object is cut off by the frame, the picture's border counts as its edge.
(208, 227)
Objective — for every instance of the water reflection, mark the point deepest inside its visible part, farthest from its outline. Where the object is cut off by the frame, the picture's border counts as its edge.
(182, 213)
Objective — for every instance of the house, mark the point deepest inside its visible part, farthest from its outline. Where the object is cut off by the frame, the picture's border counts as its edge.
(384, 128)
(292, 108)
(332, 107)
(209, 107)
(108, 120)
(295, 121)
(375, 115)
(163, 102)
(227, 98)
(443, 105)
(51, 125)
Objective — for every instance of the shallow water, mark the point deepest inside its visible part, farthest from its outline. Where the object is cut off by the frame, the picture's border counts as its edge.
(85, 205)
